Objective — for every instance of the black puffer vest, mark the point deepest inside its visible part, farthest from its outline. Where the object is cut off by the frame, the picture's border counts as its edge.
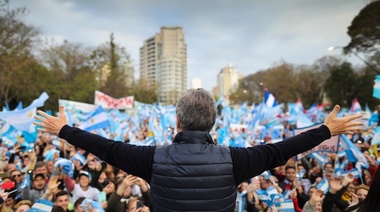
(193, 174)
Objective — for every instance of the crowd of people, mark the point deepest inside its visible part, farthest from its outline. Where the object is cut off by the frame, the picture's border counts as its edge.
(76, 180)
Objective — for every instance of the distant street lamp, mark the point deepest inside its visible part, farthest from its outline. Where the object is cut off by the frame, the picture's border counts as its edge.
(367, 63)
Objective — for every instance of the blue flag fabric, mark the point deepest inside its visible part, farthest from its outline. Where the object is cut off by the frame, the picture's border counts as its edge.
(376, 87)
(23, 119)
(97, 120)
(41, 205)
(269, 99)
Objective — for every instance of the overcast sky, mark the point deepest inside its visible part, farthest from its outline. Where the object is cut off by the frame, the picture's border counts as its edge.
(250, 34)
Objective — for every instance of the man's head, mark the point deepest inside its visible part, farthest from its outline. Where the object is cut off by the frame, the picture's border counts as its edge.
(39, 182)
(133, 204)
(84, 178)
(17, 176)
(40, 168)
(23, 205)
(77, 204)
(196, 111)
(50, 166)
(361, 192)
(290, 173)
(62, 199)
(311, 190)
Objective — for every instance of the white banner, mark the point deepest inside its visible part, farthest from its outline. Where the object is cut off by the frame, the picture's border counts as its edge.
(109, 102)
(72, 105)
(329, 145)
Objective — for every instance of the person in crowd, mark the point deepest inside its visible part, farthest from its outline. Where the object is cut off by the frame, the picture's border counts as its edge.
(241, 196)
(361, 192)
(337, 195)
(371, 200)
(57, 208)
(61, 199)
(38, 190)
(193, 154)
(52, 188)
(314, 203)
(136, 205)
(40, 168)
(77, 204)
(23, 206)
(117, 201)
(83, 188)
(94, 167)
(290, 184)
(9, 201)
(17, 176)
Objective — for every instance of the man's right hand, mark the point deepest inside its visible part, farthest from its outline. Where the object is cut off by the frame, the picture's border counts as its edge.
(342, 125)
(51, 124)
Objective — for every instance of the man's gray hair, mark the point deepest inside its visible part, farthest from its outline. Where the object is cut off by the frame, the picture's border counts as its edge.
(196, 110)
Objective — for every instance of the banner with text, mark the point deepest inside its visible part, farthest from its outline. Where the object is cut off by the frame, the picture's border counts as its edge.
(108, 102)
(329, 145)
(73, 105)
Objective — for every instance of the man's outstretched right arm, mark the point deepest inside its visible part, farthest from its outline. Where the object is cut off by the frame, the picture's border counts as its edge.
(135, 160)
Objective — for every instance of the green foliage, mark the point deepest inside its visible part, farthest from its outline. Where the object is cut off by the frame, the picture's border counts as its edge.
(365, 30)
(340, 91)
(16, 42)
(143, 93)
(109, 61)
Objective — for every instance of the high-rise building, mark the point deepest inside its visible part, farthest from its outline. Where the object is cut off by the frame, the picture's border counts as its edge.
(163, 64)
(228, 79)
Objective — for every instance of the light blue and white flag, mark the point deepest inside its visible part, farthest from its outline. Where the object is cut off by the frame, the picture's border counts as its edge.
(23, 119)
(323, 185)
(26, 182)
(353, 153)
(337, 168)
(376, 87)
(376, 137)
(269, 99)
(285, 206)
(79, 157)
(96, 206)
(355, 107)
(319, 157)
(97, 120)
(65, 165)
(42, 205)
(355, 172)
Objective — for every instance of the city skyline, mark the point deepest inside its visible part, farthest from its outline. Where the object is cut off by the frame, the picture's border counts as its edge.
(252, 35)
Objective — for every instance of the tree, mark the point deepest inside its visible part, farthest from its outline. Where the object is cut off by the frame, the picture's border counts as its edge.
(365, 30)
(248, 90)
(16, 43)
(108, 61)
(364, 88)
(74, 78)
(308, 85)
(143, 93)
(341, 91)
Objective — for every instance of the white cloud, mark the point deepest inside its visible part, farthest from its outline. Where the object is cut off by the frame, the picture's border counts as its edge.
(250, 34)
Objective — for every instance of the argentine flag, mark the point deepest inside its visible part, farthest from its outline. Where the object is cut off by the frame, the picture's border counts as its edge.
(269, 99)
(98, 119)
(42, 205)
(22, 120)
(323, 185)
(356, 106)
(376, 137)
(376, 87)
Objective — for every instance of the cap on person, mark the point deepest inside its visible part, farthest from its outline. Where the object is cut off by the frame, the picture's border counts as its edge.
(85, 173)
(39, 175)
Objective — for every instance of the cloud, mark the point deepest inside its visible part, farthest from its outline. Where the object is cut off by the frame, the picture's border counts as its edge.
(251, 34)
